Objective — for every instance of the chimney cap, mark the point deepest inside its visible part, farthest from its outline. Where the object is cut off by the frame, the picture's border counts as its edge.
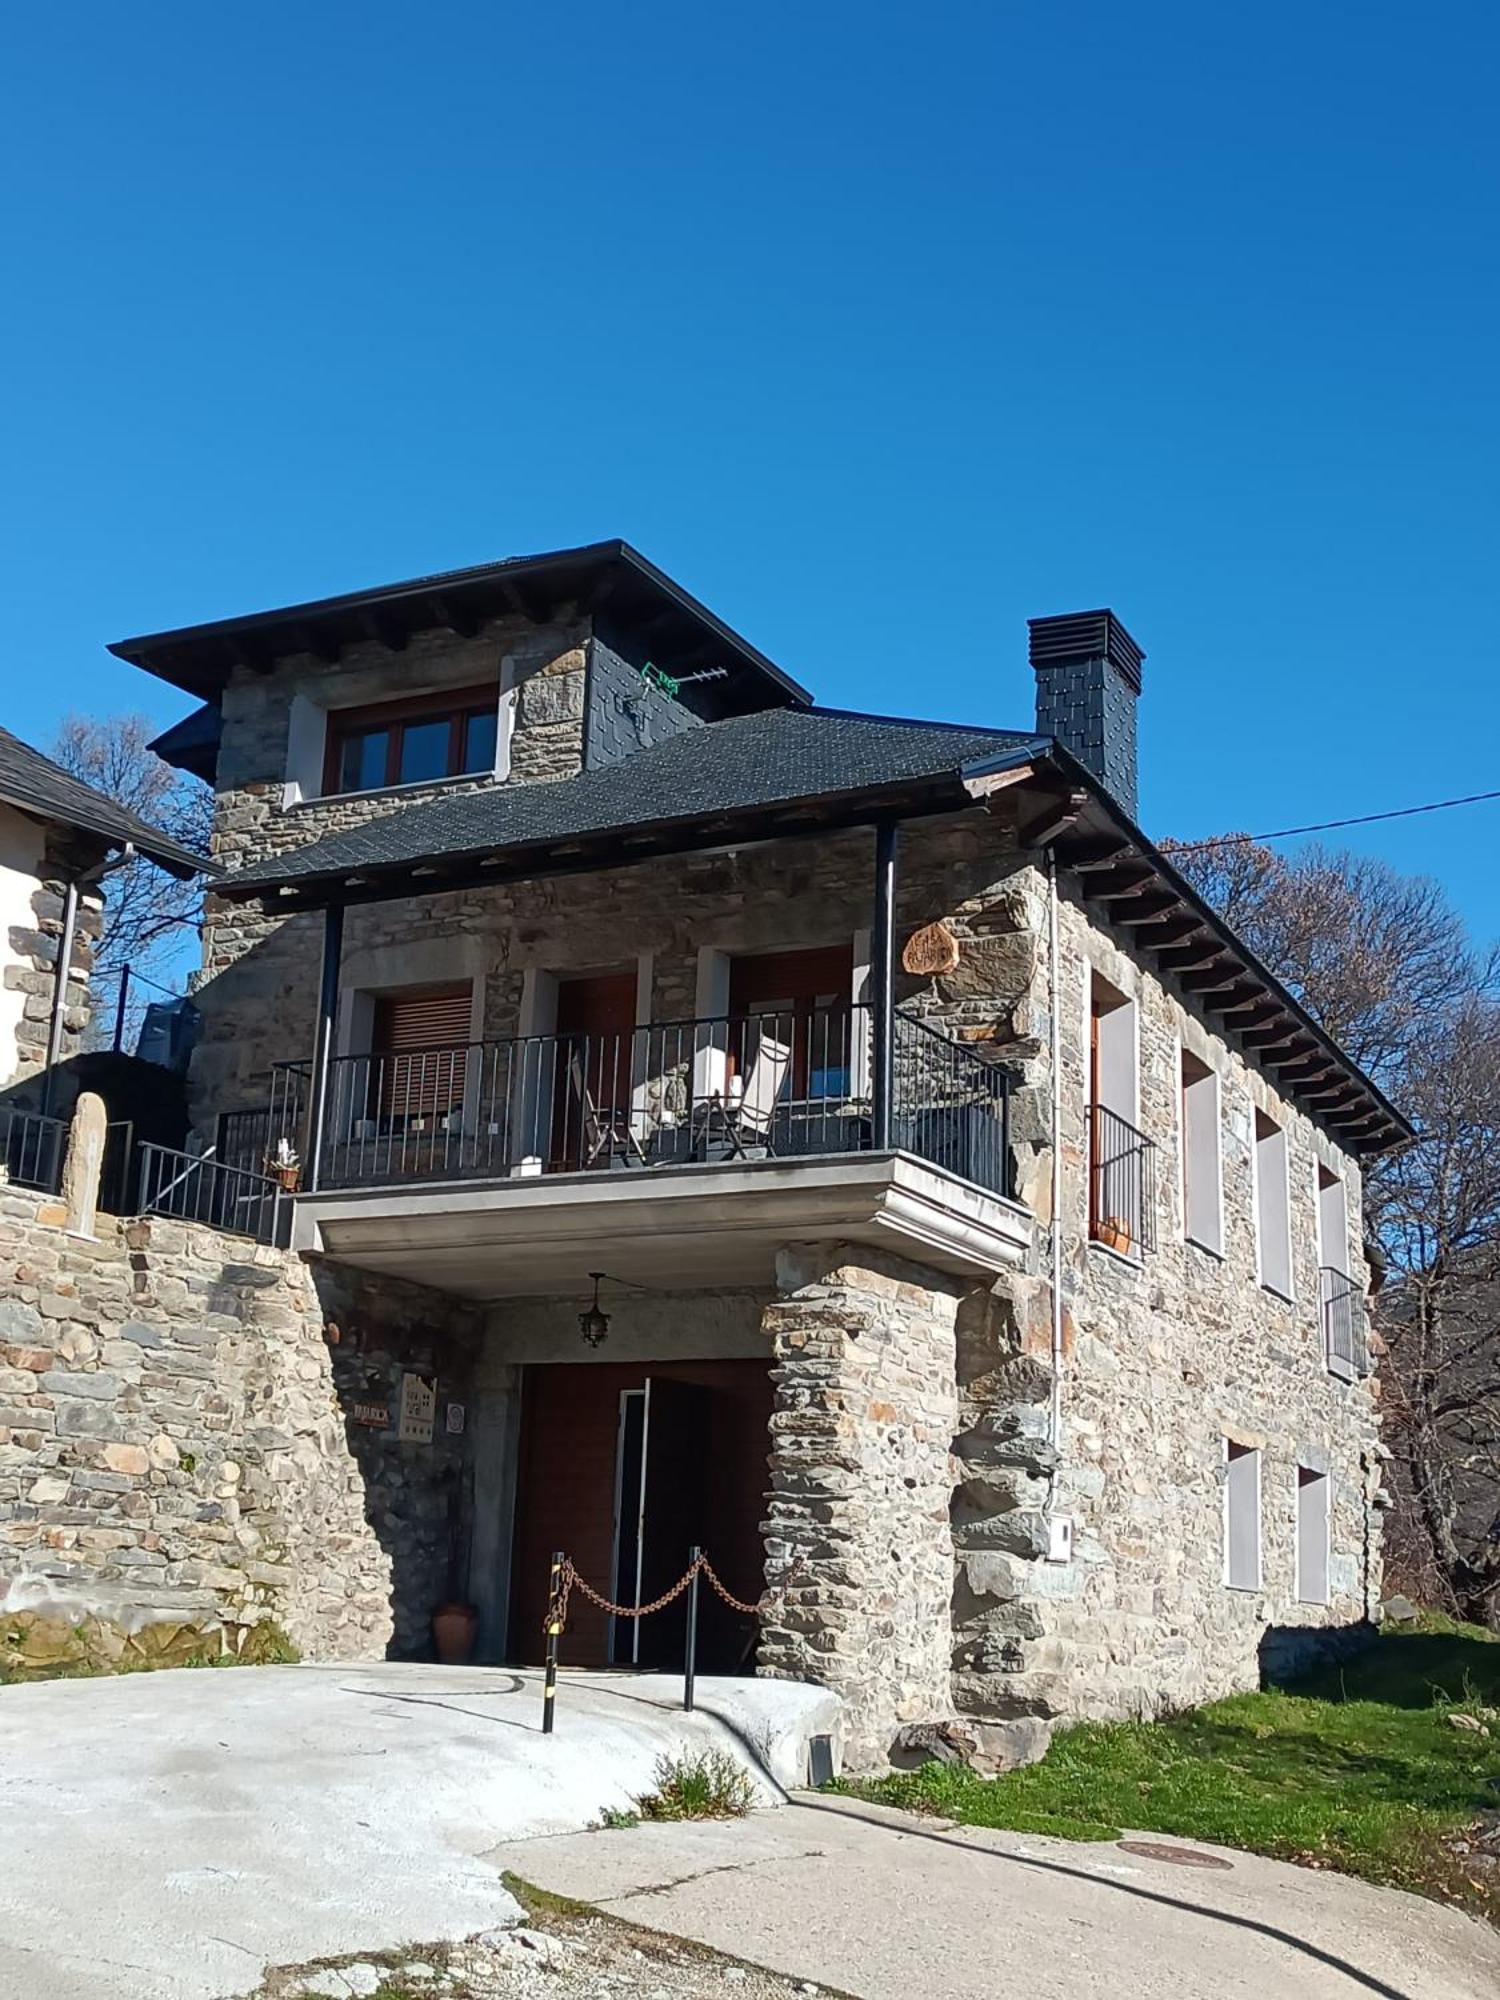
(1074, 636)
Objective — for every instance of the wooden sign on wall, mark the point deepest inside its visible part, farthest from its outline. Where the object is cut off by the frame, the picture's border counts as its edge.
(931, 950)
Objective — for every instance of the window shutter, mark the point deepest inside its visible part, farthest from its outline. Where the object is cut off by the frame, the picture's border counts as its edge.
(417, 1054)
(437, 1020)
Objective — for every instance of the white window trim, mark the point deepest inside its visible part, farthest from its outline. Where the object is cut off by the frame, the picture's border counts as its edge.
(307, 746)
(1327, 1479)
(1260, 1551)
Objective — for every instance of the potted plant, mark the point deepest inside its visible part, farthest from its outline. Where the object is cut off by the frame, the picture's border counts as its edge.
(284, 1166)
(1114, 1233)
(453, 1629)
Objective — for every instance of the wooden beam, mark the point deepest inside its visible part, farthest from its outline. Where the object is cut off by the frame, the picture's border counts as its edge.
(384, 632)
(1224, 973)
(522, 603)
(1166, 930)
(460, 618)
(321, 642)
(1055, 819)
(1145, 908)
(1185, 957)
(1120, 881)
(1090, 855)
(999, 781)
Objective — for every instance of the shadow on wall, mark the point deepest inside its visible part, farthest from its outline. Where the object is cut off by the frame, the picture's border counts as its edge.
(403, 1363)
(1290, 1653)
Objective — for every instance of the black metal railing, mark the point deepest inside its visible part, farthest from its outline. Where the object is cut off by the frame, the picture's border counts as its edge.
(198, 1188)
(1340, 1304)
(1122, 1183)
(775, 1084)
(32, 1147)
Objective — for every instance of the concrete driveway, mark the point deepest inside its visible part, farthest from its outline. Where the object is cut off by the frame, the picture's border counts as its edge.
(889, 1907)
(168, 1836)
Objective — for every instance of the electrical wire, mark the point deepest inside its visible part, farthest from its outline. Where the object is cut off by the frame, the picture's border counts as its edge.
(1329, 825)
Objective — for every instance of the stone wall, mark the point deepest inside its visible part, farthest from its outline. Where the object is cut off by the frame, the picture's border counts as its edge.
(36, 864)
(857, 1528)
(1163, 1359)
(178, 1440)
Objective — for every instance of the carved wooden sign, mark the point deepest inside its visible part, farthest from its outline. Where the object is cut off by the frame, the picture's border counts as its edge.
(932, 949)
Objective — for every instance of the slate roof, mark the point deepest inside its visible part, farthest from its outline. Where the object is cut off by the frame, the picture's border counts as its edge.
(45, 790)
(734, 766)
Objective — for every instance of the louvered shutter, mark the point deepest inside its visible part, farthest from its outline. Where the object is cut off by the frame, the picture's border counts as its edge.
(418, 1052)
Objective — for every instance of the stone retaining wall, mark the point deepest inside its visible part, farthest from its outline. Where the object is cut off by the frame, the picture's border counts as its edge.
(177, 1439)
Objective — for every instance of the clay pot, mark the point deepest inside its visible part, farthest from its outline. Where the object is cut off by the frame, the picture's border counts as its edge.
(288, 1178)
(453, 1629)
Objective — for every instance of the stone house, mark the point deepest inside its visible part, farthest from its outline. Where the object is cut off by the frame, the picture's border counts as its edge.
(837, 1141)
(59, 838)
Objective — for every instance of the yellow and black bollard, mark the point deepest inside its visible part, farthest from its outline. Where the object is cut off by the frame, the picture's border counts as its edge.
(554, 1633)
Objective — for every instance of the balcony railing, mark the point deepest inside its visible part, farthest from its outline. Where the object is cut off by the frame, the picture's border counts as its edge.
(773, 1085)
(1122, 1183)
(1341, 1308)
(32, 1148)
(198, 1188)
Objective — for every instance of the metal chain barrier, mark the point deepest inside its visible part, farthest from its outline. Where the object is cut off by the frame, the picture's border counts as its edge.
(564, 1579)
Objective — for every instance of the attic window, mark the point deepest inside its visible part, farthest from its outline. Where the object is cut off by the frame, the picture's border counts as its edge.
(422, 741)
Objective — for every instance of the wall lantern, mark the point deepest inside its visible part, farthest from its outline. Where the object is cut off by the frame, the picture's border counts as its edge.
(594, 1323)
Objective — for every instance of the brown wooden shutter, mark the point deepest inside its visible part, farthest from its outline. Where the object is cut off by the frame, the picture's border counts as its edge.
(436, 1019)
(417, 1052)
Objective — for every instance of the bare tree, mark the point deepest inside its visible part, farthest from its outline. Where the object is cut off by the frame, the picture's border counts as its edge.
(146, 911)
(1383, 961)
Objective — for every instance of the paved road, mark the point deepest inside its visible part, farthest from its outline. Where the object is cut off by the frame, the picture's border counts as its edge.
(891, 1908)
(167, 1836)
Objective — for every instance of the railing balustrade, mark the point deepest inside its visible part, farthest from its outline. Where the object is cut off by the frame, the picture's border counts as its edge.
(784, 1082)
(32, 1147)
(1340, 1303)
(195, 1187)
(1122, 1183)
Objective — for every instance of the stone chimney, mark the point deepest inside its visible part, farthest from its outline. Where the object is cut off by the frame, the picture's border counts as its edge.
(1088, 679)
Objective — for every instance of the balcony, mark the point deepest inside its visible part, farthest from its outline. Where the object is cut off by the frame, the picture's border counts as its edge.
(1122, 1184)
(692, 1147)
(1340, 1307)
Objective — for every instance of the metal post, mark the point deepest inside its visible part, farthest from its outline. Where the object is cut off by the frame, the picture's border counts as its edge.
(328, 1011)
(554, 1633)
(120, 1008)
(690, 1663)
(882, 986)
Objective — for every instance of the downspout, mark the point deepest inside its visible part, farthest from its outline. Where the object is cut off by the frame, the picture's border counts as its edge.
(1054, 1007)
(87, 880)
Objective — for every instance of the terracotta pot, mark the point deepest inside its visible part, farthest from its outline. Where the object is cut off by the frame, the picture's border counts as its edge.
(453, 1628)
(1114, 1234)
(288, 1177)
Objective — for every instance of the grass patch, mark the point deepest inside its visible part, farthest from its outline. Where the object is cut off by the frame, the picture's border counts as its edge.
(1358, 1769)
(543, 1902)
(709, 1784)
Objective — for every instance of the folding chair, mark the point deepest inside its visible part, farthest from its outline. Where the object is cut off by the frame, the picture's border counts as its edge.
(747, 1118)
(608, 1131)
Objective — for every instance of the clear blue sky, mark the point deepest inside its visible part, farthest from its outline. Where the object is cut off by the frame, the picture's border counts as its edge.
(881, 329)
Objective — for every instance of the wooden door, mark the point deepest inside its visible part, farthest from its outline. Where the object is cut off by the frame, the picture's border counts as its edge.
(801, 997)
(595, 1043)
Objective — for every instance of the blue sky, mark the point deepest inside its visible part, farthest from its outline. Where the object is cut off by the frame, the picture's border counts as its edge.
(881, 329)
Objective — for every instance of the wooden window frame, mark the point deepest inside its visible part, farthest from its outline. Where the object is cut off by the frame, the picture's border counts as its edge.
(456, 706)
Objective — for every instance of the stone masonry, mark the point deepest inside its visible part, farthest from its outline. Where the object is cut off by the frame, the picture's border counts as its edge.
(179, 1443)
(857, 1528)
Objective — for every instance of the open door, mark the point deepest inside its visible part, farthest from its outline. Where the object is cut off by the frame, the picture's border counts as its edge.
(658, 1515)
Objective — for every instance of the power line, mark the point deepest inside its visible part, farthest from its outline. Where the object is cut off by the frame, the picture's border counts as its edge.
(1331, 825)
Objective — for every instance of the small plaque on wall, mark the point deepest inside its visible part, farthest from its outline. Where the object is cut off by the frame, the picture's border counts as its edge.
(373, 1416)
(453, 1419)
(418, 1409)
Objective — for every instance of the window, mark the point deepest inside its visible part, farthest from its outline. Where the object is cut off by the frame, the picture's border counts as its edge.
(442, 735)
(1121, 1162)
(1273, 1220)
(1202, 1196)
(418, 1058)
(1241, 1516)
(1338, 1301)
(1312, 1536)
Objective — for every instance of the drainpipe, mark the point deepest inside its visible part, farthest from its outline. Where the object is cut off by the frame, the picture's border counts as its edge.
(89, 879)
(1054, 1007)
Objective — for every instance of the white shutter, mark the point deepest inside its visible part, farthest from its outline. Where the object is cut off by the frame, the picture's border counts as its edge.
(1312, 1535)
(1241, 1516)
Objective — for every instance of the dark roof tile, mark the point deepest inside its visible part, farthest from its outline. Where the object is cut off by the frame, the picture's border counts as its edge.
(44, 789)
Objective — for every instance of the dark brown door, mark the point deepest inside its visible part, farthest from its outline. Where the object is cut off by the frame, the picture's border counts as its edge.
(800, 997)
(595, 1036)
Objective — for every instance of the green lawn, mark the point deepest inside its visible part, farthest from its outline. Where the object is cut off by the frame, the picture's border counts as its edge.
(1359, 1769)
